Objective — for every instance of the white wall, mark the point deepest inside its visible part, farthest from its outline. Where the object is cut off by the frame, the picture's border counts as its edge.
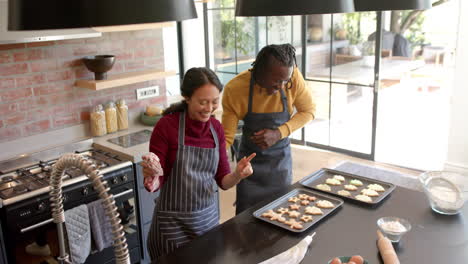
(193, 48)
(457, 156)
(194, 40)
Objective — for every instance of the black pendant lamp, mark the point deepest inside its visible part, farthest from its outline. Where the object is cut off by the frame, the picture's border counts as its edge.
(61, 14)
(292, 7)
(383, 5)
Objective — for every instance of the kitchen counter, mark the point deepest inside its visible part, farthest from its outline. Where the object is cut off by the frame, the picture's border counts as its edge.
(133, 153)
(350, 230)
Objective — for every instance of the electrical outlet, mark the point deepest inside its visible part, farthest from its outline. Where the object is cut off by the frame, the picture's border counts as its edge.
(147, 92)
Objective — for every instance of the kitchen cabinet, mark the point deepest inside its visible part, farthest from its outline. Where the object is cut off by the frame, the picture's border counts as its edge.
(2, 247)
(124, 79)
(146, 202)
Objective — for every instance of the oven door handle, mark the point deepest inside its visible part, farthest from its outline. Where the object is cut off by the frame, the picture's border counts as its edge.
(32, 227)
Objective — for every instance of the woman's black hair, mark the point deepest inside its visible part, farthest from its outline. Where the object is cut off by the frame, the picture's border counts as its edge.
(284, 54)
(193, 79)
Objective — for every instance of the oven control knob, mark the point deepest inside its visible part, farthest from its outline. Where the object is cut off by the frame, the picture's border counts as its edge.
(125, 178)
(41, 206)
(85, 191)
(115, 180)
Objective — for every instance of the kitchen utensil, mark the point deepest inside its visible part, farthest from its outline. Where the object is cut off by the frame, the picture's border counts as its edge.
(387, 252)
(446, 191)
(100, 65)
(283, 202)
(393, 227)
(149, 120)
(320, 176)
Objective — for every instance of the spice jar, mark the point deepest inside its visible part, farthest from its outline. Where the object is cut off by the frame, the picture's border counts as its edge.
(98, 121)
(111, 117)
(122, 114)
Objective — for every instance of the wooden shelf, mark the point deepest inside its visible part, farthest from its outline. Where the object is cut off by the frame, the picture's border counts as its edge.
(131, 27)
(124, 79)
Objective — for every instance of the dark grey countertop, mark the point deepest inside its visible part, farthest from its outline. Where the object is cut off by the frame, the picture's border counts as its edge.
(351, 230)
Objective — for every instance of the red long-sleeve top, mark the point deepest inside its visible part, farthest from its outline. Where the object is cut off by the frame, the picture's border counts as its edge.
(164, 142)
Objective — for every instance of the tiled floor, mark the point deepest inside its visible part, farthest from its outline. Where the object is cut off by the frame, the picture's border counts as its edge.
(305, 161)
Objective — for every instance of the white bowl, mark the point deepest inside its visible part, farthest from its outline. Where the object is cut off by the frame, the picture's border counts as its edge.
(393, 227)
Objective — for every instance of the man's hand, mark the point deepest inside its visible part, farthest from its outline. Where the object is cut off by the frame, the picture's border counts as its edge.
(266, 138)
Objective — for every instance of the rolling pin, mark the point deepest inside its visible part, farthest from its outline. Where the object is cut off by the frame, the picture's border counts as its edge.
(386, 249)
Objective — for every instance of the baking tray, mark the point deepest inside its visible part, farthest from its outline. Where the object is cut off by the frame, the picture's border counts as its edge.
(283, 202)
(320, 176)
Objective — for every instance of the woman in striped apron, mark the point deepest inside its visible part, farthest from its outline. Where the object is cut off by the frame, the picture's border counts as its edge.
(194, 164)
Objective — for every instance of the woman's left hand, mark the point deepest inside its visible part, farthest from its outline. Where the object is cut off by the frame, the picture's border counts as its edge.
(244, 168)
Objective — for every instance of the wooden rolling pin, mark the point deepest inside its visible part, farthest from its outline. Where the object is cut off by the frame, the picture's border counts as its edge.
(386, 249)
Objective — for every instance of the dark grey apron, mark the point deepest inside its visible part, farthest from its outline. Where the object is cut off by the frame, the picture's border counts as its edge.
(188, 204)
(271, 167)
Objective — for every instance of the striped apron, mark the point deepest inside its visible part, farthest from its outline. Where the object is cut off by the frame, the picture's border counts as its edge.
(188, 204)
(272, 167)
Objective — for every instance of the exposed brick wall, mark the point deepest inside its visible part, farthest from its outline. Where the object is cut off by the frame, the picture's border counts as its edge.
(37, 92)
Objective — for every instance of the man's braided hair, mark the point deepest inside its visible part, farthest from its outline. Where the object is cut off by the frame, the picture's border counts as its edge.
(285, 54)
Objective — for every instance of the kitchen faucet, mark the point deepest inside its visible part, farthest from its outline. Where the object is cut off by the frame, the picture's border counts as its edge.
(56, 198)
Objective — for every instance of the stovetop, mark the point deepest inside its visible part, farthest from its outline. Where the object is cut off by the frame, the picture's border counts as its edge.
(132, 139)
(30, 173)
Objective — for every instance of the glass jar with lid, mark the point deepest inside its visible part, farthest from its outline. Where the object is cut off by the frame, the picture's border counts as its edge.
(111, 117)
(122, 114)
(98, 121)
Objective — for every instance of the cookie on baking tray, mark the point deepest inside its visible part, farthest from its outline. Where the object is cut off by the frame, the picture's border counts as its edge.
(339, 177)
(333, 181)
(294, 206)
(307, 218)
(273, 216)
(350, 187)
(325, 204)
(376, 187)
(282, 210)
(364, 198)
(278, 217)
(356, 182)
(313, 210)
(369, 192)
(294, 224)
(323, 187)
(294, 214)
(305, 202)
(293, 199)
(268, 214)
(344, 193)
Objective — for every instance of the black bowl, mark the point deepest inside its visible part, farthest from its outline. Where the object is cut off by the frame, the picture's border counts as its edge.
(99, 64)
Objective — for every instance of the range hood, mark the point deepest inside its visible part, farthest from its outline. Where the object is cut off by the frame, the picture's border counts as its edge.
(9, 37)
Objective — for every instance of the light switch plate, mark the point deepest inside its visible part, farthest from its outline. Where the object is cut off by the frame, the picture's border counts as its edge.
(147, 92)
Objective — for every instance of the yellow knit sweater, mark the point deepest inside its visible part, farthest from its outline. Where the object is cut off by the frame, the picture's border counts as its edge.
(236, 99)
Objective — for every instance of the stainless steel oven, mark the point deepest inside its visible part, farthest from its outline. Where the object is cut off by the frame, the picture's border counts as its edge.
(25, 208)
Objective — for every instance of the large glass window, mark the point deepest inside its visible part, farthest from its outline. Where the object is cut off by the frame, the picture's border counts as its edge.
(373, 75)
(237, 40)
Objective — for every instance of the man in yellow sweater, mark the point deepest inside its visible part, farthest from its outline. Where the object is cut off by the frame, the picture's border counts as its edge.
(273, 100)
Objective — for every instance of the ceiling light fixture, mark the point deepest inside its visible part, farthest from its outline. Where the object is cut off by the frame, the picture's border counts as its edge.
(60, 14)
(292, 7)
(384, 5)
